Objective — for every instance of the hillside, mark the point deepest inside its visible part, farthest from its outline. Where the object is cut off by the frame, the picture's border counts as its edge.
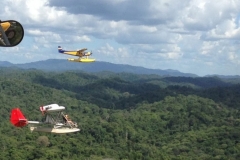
(122, 116)
(64, 65)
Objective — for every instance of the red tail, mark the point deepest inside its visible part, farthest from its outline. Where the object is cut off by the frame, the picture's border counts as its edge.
(17, 118)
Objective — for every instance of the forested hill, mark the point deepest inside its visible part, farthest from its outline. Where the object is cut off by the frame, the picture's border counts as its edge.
(64, 65)
(122, 116)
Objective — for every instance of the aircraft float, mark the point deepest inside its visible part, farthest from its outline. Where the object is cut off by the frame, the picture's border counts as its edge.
(83, 56)
(55, 120)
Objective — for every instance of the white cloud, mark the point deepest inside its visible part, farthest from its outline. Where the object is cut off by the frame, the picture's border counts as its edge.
(228, 29)
(166, 34)
(234, 58)
(112, 52)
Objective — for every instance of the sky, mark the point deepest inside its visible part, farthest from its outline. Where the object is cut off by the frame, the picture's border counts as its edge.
(191, 36)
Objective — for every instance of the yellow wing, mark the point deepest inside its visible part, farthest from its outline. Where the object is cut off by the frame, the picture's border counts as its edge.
(81, 50)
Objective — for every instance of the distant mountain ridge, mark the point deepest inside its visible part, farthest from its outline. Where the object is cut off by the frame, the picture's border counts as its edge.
(59, 65)
(223, 76)
(5, 64)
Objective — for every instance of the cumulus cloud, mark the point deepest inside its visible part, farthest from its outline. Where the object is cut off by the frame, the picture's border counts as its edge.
(184, 35)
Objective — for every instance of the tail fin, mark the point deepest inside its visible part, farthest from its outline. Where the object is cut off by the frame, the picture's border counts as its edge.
(60, 50)
(17, 118)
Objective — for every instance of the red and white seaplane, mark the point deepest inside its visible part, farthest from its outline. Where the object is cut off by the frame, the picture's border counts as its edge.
(55, 120)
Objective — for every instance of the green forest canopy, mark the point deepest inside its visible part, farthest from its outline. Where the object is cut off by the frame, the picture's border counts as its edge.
(122, 116)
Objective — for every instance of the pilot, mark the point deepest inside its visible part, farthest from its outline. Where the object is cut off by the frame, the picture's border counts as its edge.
(67, 118)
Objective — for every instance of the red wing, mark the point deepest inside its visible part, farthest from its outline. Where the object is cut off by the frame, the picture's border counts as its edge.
(17, 118)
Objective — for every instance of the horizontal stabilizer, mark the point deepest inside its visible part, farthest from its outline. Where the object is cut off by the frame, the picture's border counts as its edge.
(34, 122)
(17, 118)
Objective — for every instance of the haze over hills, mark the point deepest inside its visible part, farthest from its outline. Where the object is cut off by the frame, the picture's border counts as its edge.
(60, 65)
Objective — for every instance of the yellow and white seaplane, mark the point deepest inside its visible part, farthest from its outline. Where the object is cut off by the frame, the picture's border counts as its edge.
(83, 56)
(55, 120)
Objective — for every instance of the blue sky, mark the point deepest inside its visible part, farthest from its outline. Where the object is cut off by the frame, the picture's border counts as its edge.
(192, 36)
